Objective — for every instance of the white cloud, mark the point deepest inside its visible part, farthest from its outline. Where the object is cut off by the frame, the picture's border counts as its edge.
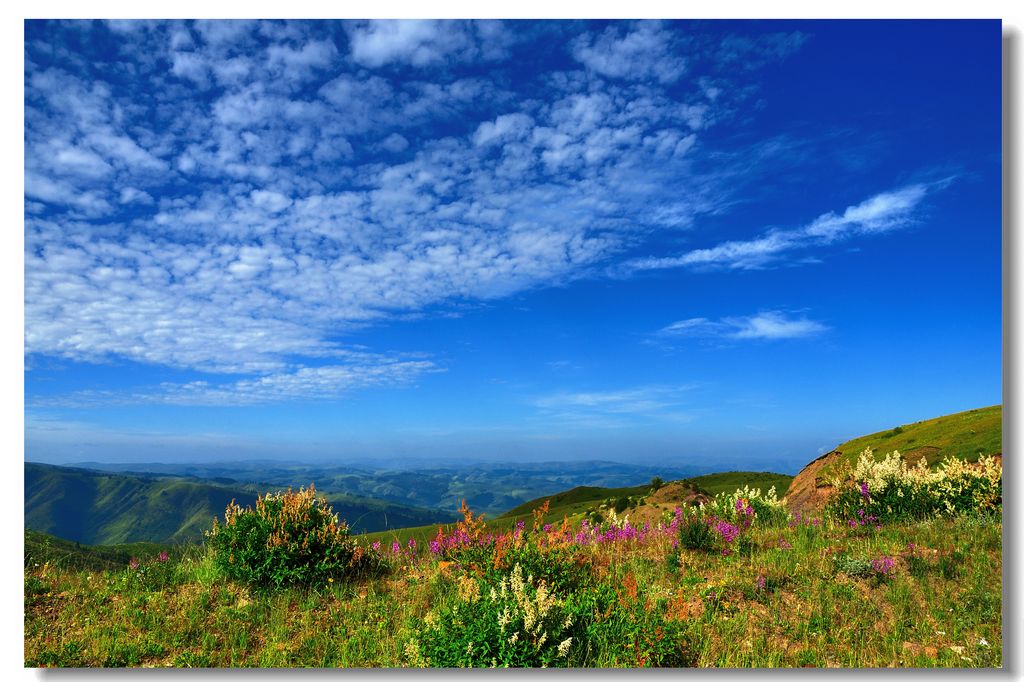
(643, 53)
(416, 41)
(769, 325)
(614, 408)
(247, 235)
(882, 212)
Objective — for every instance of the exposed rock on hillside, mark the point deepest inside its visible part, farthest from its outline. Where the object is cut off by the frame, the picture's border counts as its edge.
(808, 493)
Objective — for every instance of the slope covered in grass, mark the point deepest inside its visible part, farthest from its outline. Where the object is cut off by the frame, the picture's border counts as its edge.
(100, 508)
(966, 435)
(730, 481)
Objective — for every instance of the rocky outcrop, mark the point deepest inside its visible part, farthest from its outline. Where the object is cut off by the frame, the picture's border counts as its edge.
(808, 492)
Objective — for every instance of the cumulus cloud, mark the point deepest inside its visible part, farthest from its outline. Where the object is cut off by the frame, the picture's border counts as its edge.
(644, 52)
(235, 197)
(422, 42)
(769, 325)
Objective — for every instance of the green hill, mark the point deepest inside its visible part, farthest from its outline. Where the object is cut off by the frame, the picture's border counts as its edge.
(576, 500)
(103, 508)
(967, 435)
(41, 548)
(730, 481)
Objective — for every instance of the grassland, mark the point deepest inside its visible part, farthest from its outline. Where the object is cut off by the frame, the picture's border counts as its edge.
(966, 435)
(940, 607)
(729, 481)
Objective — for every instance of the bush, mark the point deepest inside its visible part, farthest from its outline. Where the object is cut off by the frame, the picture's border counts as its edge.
(695, 533)
(889, 489)
(288, 538)
(621, 626)
(514, 622)
(768, 509)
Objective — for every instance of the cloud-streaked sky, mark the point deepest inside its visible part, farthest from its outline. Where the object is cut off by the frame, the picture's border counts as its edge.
(558, 239)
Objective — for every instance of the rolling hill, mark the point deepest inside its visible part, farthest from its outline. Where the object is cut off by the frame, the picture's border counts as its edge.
(966, 435)
(95, 507)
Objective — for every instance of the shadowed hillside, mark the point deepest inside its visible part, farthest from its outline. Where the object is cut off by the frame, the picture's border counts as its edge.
(102, 508)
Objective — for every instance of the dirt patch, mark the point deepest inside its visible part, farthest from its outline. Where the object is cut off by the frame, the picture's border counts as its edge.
(664, 501)
(677, 494)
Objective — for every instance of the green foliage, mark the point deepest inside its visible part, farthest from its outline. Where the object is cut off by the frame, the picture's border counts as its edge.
(622, 627)
(852, 566)
(289, 538)
(657, 483)
(695, 533)
(515, 622)
(890, 490)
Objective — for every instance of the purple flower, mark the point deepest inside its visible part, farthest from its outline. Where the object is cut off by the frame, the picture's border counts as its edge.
(728, 531)
(163, 557)
(760, 583)
(376, 545)
(547, 527)
(133, 563)
(864, 490)
(395, 547)
(884, 565)
(784, 543)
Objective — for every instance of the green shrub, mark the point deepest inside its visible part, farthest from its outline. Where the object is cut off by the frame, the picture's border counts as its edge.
(515, 622)
(289, 538)
(852, 566)
(695, 533)
(622, 627)
(888, 489)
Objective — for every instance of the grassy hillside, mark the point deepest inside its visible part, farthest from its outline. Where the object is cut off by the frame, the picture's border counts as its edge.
(804, 596)
(102, 508)
(42, 549)
(730, 481)
(578, 500)
(967, 435)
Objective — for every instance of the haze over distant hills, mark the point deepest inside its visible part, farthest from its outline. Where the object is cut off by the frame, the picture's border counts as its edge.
(486, 487)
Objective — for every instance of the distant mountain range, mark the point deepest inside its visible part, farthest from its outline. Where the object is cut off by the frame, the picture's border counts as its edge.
(103, 508)
(492, 488)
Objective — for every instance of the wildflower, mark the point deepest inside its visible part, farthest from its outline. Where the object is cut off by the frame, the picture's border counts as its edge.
(563, 648)
(864, 490)
(163, 557)
(883, 566)
(760, 583)
(133, 563)
(376, 545)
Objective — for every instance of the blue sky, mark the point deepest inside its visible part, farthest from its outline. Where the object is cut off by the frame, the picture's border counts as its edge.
(730, 243)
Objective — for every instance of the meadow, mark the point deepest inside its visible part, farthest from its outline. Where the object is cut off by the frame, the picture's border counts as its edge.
(737, 582)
